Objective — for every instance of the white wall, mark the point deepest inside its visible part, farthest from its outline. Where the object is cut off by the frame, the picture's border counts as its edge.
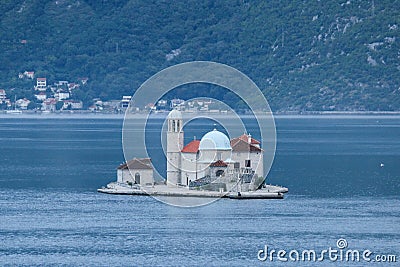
(146, 176)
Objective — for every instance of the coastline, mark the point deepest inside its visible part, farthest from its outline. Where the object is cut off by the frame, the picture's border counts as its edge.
(279, 114)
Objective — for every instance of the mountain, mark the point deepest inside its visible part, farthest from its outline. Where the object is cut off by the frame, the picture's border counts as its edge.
(303, 54)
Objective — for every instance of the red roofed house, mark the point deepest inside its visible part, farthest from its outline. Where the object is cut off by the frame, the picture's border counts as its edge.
(29, 74)
(49, 104)
(41, 96)
(22, 103)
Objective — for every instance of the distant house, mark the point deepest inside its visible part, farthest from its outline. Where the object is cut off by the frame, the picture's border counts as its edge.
(41, 96)
(72, 104)
(125, 101)
(3, 95)
(29, 74)
(41, 84)
(150, 106)
(22, 103)
(162, 104)
(177, 103)
(136, 171)
(83, 80)
(61, 83)
(49, 104)
(61, 95)
(72, 86)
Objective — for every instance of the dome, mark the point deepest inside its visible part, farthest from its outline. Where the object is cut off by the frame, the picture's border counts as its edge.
(215, 140)
(175, 115)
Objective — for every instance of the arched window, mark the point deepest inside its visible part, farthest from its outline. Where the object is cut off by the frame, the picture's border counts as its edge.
(219, 173)
(137, 178)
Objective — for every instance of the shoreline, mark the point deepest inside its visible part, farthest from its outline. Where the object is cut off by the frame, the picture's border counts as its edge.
(92, 115)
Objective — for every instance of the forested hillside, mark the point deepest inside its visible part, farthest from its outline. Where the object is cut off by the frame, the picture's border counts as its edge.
(304, 54)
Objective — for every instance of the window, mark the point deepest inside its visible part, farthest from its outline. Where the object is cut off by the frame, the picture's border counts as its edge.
(219, 173)
(247, 163)
(236, 165)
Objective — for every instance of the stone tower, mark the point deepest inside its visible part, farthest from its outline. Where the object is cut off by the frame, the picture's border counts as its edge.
(174, 147)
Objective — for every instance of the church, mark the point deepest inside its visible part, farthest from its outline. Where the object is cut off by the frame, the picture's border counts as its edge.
(213, 163)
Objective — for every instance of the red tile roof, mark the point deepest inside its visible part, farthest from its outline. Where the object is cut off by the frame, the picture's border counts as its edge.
(219, 163)
(245, 138)
(138, 164)
(192, 147)
(239, 145)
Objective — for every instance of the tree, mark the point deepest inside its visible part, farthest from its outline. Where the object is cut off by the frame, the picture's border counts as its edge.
(59, 105)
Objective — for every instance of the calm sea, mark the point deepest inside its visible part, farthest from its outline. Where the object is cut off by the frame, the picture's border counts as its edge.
(343, 175)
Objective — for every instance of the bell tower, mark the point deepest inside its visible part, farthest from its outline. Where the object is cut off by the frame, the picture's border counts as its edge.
(174, 147)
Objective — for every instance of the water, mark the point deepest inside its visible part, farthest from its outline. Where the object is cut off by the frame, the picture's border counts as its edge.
(51, 213)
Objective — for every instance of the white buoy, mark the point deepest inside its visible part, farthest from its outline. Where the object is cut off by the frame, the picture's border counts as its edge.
(382, 165)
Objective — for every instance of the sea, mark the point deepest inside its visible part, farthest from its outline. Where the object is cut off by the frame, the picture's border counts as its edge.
(343, 175)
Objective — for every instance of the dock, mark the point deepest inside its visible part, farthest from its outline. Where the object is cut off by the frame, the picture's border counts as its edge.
(267, 192)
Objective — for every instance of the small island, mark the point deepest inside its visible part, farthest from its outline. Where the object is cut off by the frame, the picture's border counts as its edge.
(212, 167)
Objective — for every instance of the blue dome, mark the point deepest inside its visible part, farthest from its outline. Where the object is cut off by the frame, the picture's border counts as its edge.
(215, 140)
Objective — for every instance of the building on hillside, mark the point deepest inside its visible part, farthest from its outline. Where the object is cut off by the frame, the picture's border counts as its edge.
(41, 84)
(125, 101)
(3, 95)
(49, 104)
(72, 104)
(22, 103)
(29, 74)
(41, 96)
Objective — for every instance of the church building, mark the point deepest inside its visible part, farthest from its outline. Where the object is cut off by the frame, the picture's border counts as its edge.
(214, 161)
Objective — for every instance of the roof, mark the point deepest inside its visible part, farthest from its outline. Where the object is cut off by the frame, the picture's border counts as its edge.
(192, 147)
(215, 140)
(175, 115)
(245, 137)
(136, 164)
(238, 145)
(218, 163)
(41, 79)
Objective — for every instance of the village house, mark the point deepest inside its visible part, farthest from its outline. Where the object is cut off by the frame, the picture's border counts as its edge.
(125, 101)
(22, 103)
(41, 96)
(29, 74)
(3, 95)
(72, 104)
(49, 104)
(61, 95)
(83, 80)
(72, 86)
(41, 84)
